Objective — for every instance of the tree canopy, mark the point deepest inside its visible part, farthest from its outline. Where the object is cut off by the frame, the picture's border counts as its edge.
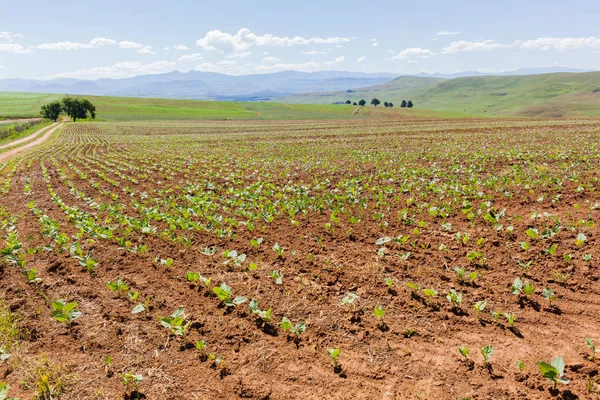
(409, 104)
(362, 102)
(78, 108)
(51, 110)
(375, 102)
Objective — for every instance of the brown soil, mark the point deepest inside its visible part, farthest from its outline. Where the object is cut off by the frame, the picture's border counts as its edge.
(378, 359)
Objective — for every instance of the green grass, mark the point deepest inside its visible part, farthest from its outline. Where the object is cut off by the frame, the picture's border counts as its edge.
(545, 95)
(25, 105)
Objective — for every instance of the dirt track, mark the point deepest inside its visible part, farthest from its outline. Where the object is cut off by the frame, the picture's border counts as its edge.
(11, 153)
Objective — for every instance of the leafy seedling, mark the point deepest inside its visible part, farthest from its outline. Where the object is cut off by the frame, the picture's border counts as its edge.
(464, 351)
(592, 346)
(297, 329)
(349, 298)
(265, 315)
(334, 354)
(176, 322)
(118, 286)
(549, 295)
(520, 365)
(65, 312)
(226, 296)
(487, 352)
(4, 388)
(277, 277)
(554, 371)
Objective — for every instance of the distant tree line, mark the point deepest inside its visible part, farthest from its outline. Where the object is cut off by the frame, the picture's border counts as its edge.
(73, 107)
(375, 102)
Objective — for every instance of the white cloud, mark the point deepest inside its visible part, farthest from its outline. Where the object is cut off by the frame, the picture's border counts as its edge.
(14, 48)
(64, 46)
(271, 60)
(361, 59)
(560, 44)
(477, 45)
(181, 47)
(2, 67)
(375, 44)
(243, 54)
(413, 52)
(447, 33)
(69, 46)
(119, 70)
(146, 50)
(305, 67)
(10, 37)
(336, 61)
(227, 43)
(191, 57)
(313, 52)
(130, 45)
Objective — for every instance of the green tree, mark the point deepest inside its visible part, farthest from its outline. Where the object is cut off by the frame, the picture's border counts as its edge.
(348, 102)
(51, 110)
(409, 104)
(403, 104)
(375, 102)
(391, 104)
(362, 102)
(354, 104)
(386, 104)
(78, 108)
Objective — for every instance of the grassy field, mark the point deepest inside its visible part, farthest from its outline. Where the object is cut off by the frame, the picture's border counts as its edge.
(24, 105)
(546, 95)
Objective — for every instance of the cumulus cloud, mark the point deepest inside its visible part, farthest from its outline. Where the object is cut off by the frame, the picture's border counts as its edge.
(271, 59)
(191, 57)
(181, 47)
(560, 44)
(224, 42)
(69, 46)
(313, 52)
(374, 42)
(447, 33)
(124, 69)
(243, 54)
(10, 37)
(413, 52)
(336, 61)
(361, 59)
(14, 48)
(130, 45)
(477, 45)
(305, 67)
(146, 50)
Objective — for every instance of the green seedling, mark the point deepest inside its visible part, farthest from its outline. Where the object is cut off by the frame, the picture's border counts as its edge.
(429, 293)
(142, 307)
(549, 295)
(334, 354)
(256, 242)
(520, 365)
(409, 332)
(133, 296)
(277, 277)
(464, 351)
(487, 352)
(131, 381)
(554, 371)
(31, 276)
(265, 315)
(226, 296)
(117, 286)
(517, 287)
(349, 298)
(510, 317)
(580, 240)
(378, 312)
(496, 315)
(479, 306)
(278, 249)
(297, 329)
(389, 282)
(192, 276)
(4, 388)
(455, 299)
(176, 322)
(592, 346)
(65, 312)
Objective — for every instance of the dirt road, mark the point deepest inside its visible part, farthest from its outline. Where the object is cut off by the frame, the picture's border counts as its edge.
(14, 152)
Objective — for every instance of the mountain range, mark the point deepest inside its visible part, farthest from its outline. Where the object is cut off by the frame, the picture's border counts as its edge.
(215, 86)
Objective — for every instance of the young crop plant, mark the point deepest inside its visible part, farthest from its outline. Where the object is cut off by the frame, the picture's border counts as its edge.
(464, 351)
(479, 307)
(176, 323)
(487, 352)
(510, 318)
(264, 315)
(520, 365)
(4, 388)
(580, 240)
(297, 329)
(277, 277)
(225, 294)
(65, 312)
(132, 383)
(119, 286)
(278, 249)
(592, 346)
(455, 299)
(192, 276)
(554, 371)
(349, 298)
(31, 276)
(334, 354)
(549, 295)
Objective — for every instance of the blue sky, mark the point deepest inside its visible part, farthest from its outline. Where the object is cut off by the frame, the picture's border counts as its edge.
(113, 39)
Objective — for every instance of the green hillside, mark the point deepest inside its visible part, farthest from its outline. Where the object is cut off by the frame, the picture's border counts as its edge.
(24, 105)
(545, 95)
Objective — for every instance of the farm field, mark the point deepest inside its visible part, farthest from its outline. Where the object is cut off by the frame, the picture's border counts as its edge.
(388, 244)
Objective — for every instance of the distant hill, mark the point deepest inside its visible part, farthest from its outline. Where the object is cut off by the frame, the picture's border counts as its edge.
(543, 95)
(203, 85)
